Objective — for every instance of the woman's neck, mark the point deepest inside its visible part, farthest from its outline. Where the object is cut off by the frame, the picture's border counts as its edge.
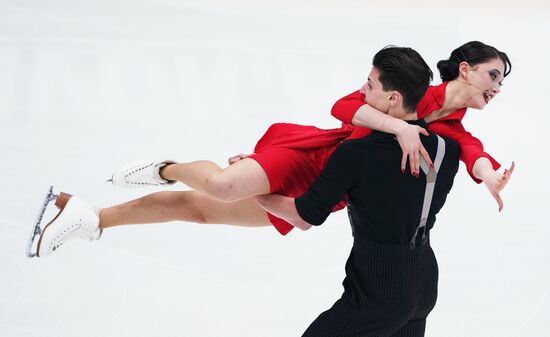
(456, 96)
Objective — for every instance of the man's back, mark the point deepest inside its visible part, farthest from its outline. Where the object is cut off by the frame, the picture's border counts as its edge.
(385, 204)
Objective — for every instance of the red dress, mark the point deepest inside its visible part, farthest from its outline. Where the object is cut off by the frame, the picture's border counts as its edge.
(293, 156)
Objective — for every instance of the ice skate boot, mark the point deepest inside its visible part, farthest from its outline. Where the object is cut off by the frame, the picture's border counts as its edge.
(140, 174)
(76, 220)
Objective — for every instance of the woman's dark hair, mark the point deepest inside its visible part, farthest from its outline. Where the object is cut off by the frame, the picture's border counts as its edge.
(404, 70)
(473, 52)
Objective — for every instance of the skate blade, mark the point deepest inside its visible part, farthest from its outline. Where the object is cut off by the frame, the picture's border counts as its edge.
(37, 230)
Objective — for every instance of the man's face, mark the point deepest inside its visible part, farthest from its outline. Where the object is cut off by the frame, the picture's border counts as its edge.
(375, 96)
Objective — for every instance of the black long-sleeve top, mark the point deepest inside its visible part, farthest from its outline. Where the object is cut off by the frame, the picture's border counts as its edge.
(385, 204)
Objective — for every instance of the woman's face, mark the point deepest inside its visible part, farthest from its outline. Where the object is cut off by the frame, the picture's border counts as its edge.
(485, 80)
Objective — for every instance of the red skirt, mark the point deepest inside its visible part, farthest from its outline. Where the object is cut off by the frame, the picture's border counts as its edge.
(293, 156)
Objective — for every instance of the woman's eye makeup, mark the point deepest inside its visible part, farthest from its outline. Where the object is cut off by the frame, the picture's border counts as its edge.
(494, 74)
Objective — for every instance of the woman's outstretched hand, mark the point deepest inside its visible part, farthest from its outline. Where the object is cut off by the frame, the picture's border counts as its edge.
(496, 182)
(408, 137)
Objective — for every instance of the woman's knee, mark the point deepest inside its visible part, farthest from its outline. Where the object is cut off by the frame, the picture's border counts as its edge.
(241, 180)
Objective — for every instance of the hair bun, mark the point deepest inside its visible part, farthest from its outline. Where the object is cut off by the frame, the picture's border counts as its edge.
(448, 70)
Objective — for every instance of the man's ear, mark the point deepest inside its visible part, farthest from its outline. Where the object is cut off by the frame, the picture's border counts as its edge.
(395, 98)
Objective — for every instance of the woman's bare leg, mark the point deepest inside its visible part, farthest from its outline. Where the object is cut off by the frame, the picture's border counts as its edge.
(189, 206)
(242, 180)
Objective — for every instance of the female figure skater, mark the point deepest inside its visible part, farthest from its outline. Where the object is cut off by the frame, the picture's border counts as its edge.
(289, 157)
(443, 106)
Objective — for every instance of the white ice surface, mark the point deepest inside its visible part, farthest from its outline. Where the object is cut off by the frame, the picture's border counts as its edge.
(86, 86)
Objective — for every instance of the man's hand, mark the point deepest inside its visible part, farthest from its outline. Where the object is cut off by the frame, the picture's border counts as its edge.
(409, 140)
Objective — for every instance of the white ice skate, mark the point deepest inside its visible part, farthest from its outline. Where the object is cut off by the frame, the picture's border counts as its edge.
(76, 220)
(140, 174)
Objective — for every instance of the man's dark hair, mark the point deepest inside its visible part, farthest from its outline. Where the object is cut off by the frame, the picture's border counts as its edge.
(404, 70)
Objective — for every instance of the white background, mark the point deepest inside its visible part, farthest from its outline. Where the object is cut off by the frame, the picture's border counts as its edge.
(86, 86)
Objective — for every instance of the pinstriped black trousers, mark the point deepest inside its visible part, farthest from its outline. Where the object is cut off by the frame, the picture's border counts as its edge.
(389, 290)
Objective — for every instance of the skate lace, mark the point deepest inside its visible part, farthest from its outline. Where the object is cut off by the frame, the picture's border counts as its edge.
(59, 238)
(131, 174)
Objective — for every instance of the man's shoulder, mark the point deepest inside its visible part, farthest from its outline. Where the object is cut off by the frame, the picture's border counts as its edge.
(452, 146)
(381, 140)
(376, 140)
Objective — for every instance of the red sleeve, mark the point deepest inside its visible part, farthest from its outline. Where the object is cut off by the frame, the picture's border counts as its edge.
(471, 148)
(345, 108)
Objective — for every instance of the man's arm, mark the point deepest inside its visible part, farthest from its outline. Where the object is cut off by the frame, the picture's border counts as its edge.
(282, 207)
(342, 171)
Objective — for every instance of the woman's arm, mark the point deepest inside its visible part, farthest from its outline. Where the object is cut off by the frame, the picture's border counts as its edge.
(352, 109)
(493, 180)
(344, 109)
(480, 165)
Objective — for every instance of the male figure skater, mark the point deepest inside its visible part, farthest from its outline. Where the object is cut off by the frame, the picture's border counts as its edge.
(391, 273)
